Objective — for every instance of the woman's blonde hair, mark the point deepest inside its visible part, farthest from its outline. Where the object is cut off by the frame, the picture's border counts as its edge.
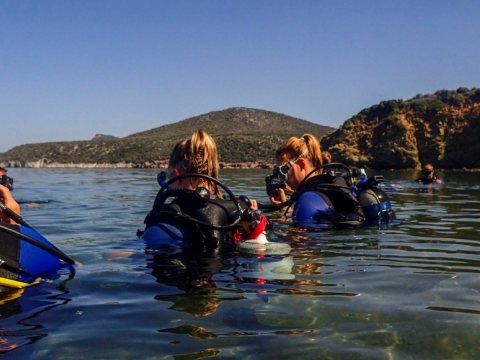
(307, 147)
(198, 155)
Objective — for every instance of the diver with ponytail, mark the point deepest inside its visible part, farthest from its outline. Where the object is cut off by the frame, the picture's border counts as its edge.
(318, 192)
(195, 155)
(301, 156)
(198, 214)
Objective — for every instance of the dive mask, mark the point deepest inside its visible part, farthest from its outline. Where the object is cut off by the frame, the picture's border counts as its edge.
(280, 172)
(6, 181)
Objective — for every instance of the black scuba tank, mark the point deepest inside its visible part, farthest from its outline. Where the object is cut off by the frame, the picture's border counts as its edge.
(376, 204)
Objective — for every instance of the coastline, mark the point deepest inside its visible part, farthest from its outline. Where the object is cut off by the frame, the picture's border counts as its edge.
(163, 164)
(157, 164)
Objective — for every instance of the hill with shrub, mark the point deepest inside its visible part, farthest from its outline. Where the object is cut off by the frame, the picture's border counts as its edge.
(241, 134)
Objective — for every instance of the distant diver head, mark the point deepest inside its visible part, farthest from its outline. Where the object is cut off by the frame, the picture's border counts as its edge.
(427, 169)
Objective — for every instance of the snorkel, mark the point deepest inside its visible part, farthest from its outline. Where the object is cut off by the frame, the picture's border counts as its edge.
(162, 179)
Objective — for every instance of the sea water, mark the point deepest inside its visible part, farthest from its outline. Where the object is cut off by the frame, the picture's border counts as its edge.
(409, 290)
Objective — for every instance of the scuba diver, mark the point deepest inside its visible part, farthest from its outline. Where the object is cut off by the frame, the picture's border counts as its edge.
(199, 216)
(320, 193)
(25, 254)
(429, 176)
(6, 198)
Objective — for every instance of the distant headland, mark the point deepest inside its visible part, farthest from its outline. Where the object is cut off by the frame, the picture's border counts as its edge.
(441, 128)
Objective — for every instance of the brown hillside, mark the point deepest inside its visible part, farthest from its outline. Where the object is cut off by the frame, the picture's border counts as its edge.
(242, 135)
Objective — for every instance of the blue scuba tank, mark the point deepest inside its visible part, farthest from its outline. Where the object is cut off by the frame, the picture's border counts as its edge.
(376, 204)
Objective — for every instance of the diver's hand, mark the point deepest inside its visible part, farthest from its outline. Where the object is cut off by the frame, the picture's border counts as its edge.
(251, 203)
(278, 197)
(8, 200)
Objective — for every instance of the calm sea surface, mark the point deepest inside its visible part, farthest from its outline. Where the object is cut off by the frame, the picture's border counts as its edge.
(409, 291)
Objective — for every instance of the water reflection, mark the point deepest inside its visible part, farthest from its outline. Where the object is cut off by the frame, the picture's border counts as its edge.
(192, 275)
(22, 314)
(202, 282)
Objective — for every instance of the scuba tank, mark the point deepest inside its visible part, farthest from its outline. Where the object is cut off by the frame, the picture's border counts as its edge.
(375, 202)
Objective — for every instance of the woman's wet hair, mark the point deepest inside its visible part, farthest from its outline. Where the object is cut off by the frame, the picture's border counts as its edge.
(306, 147)
(197, 154)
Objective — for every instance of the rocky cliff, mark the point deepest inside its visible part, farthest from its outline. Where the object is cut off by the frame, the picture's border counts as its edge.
(442, 129)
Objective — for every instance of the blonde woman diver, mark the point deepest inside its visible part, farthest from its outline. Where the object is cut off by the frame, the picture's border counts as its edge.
(195, 155)
(317, 193)
(198, 215)
(298, 157)
(6, 198)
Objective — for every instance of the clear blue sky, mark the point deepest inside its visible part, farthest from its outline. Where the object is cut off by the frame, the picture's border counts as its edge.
(72, 69)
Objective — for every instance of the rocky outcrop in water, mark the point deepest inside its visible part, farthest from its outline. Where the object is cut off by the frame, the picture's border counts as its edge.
(442, 129)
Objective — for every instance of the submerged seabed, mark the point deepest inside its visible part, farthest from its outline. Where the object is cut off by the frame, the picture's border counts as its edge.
(409, 291)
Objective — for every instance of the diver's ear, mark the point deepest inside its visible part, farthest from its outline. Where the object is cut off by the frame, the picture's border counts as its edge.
(302, 163)
(176, 172)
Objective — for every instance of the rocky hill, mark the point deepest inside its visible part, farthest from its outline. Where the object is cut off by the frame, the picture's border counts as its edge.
(442, 129)
(104, 137)
(242, 135)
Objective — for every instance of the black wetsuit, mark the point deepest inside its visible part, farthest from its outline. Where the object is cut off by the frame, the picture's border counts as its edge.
(425, 180)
